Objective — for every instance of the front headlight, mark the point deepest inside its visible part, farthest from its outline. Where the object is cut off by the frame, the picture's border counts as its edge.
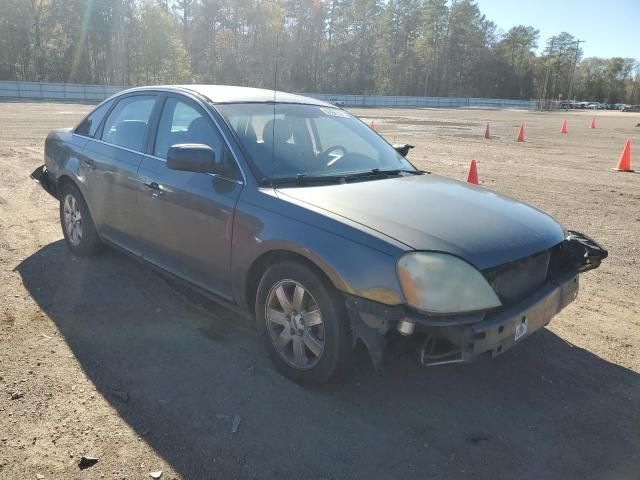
(440, 283)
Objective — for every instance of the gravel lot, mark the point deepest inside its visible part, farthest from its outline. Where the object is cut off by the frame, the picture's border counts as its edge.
(113, 362)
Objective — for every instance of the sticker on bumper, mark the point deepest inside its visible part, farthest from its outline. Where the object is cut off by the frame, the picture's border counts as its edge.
(521, 329)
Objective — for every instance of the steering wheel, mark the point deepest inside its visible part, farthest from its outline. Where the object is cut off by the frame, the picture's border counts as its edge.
(332, 154)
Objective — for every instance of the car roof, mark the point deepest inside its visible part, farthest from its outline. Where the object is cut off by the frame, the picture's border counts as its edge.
(232, 94)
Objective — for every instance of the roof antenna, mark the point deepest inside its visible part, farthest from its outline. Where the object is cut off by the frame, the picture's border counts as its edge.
(273, 124)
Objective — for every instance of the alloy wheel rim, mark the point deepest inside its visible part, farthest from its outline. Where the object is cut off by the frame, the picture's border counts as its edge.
(72, 220)
(295, 325)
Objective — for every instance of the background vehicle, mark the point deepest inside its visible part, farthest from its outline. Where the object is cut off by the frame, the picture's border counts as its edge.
(297, 212)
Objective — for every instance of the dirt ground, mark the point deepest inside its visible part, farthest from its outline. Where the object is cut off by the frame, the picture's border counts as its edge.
(113, 362)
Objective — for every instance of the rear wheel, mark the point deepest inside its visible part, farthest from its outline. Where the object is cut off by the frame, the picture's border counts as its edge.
(77, 225)
(303, 323)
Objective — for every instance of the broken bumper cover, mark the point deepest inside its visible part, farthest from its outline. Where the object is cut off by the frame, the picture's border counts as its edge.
(471, 335)
(42, 176)
(583, 252)
(499, 332)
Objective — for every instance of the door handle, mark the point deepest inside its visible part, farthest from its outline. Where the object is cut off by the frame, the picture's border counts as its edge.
(155, 188)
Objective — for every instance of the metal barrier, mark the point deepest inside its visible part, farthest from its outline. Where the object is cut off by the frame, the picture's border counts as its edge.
(56, 91)
(425, 102)
(96, 93)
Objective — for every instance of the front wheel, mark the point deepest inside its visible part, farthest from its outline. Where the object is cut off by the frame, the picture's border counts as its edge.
(77, 225)
(303, 324)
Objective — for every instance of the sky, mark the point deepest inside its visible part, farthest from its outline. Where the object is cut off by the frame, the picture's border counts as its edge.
(611, 28)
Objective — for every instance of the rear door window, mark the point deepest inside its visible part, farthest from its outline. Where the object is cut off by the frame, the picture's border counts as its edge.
(89, 126)
(126, 125)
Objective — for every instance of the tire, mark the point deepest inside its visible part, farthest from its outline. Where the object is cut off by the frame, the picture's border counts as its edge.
(78, 229)
(310, 342)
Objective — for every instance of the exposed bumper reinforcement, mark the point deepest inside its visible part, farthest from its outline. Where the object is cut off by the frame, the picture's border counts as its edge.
(491, 333)
(500, 332)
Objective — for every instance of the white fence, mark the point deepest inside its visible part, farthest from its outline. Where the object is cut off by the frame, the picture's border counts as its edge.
(96, 93)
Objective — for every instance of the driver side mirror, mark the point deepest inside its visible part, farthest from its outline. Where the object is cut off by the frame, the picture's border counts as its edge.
(193, 157)
(403, 149)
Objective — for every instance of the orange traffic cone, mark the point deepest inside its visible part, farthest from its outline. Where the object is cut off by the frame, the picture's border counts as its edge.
(563, 129)
(486, 132)
(624, 164)
(473, 173)
(521, 133)
(593, 122)
(372, 125)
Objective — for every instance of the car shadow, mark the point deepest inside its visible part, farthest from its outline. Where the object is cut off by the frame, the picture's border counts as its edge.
(546, 409)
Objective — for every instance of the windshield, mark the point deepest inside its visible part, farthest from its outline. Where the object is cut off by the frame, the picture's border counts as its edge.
(294, 141)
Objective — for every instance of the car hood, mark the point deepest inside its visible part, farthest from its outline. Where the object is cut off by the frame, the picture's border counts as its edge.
(430, 212)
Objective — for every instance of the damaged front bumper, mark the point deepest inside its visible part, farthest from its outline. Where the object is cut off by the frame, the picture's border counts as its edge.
(43, 177)
(459, 339)
(498, 333)
(463, 338)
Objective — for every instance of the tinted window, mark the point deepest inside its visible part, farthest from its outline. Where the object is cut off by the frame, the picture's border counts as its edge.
(127, 123)
(90, 124)
(181, 122)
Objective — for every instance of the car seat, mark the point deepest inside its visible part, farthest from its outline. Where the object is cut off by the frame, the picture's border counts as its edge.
(287, 156)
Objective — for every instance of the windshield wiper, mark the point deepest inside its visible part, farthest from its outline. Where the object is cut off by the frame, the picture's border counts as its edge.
(377, 173)
(303, 179)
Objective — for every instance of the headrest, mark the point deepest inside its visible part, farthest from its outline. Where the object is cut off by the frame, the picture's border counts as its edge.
(277, 131)
(199, 128)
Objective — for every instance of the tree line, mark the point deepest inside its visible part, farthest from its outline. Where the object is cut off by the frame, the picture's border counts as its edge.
(383, 47)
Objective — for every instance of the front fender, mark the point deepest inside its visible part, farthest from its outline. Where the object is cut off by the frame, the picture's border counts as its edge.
(352, 266)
